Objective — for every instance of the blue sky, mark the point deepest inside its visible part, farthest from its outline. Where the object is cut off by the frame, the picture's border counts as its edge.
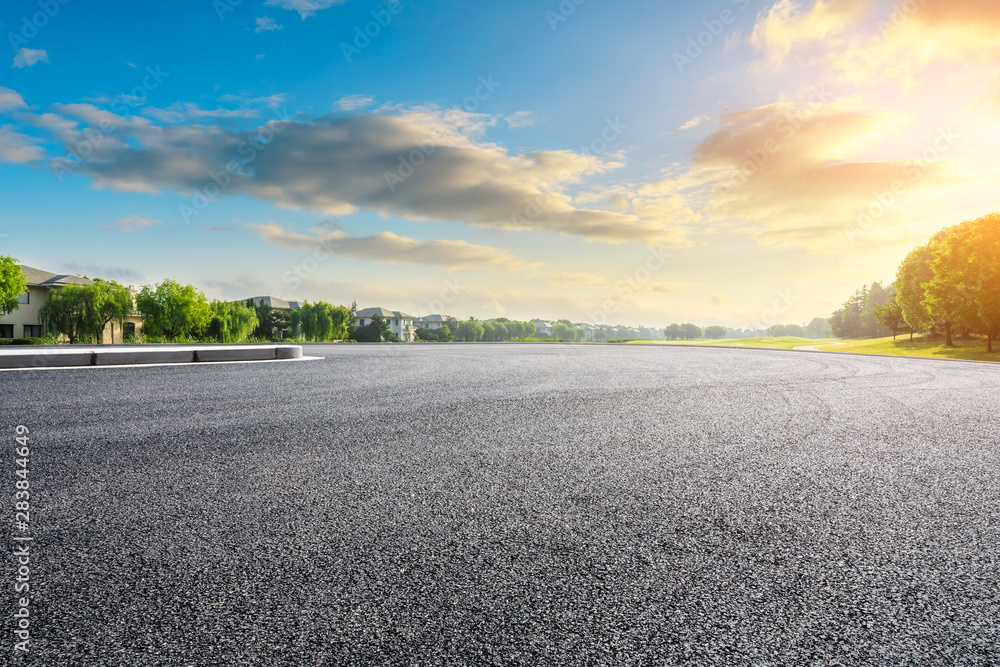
(568, 160)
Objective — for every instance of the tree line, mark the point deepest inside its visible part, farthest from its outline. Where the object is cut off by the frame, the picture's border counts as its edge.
(949, 285)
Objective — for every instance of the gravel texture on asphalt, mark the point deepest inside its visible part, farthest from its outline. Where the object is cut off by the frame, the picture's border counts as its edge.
(513, 505)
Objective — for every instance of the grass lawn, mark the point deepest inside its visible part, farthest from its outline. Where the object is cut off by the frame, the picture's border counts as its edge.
(786, 343)
(920, 347)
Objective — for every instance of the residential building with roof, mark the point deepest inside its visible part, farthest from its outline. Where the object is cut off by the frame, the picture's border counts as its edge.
(399, 323)
(25, 322)
(544, 328)
(433, 322)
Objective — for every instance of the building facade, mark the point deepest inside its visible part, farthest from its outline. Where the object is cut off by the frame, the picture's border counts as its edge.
(26, 322)
(399, 323)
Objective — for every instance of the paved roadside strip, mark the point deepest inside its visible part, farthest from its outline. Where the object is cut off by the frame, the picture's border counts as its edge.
(75, 356)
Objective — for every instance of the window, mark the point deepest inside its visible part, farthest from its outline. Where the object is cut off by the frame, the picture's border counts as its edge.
(6, 330)
(25, 298)
(32, 331)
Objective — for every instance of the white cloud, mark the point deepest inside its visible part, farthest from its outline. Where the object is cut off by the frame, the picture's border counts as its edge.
(305, 8)
(353, 102)
(389, 248)
(27, 57)
(695, 122)
(10, 100)
(132, 223)
(265, 24)
(18, 148)
(520, 119)
(420, 164)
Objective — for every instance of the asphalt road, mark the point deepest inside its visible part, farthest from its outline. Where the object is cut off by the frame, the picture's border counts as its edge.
(512, 504)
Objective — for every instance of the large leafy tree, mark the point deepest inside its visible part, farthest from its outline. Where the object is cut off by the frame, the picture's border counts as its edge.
(967, 274)
(890, 315)
(232, 321)
(173, 310)
(109, 303)
(715, 332)
(914, 273)
(946, 295)
(13, 283)
(68, 311)
(819, 328)
(321, 321)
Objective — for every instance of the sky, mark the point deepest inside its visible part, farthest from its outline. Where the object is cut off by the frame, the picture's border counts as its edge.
(639, 162)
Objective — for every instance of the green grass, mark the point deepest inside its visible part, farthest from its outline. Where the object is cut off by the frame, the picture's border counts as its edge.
(974, 350)
(785, 343)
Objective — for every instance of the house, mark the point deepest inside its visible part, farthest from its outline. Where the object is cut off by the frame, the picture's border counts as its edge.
(25, 322)
(275, 303)
(277, 306)
(544, 328)
(399, 323)
(433, 322)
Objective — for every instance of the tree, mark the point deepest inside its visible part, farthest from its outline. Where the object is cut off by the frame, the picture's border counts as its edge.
(564, 330)
(374, 332)
(944, 297)
(13, 283)
(690, 331)
(890, 315)
(173, 310)
(673, 332)
(469, 331)
(66, 312)
(232, 322)
(321, 321)
(966, 269)
(715, 332)
(819, 328)
(914, 272)
(110, 303)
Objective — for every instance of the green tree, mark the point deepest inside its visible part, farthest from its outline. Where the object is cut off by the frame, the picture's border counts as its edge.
(914, 273)
(967, 275)
(674, 332)
(690, 331)
(715, 332)
(66, 311)
(13, 283)
(173, 310)
(232, 321)
(819, 328)
(109, 303)
(321, 321)
(890, 315)
(944, 295)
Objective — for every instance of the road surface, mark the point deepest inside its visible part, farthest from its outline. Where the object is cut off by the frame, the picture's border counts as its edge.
(512, 504)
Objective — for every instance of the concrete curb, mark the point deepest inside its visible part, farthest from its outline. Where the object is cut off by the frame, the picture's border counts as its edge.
(74, 356)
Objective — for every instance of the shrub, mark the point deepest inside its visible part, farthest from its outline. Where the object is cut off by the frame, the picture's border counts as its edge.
(29, 341)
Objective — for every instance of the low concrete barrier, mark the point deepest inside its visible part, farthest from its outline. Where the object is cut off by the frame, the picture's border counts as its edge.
(67, 356)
